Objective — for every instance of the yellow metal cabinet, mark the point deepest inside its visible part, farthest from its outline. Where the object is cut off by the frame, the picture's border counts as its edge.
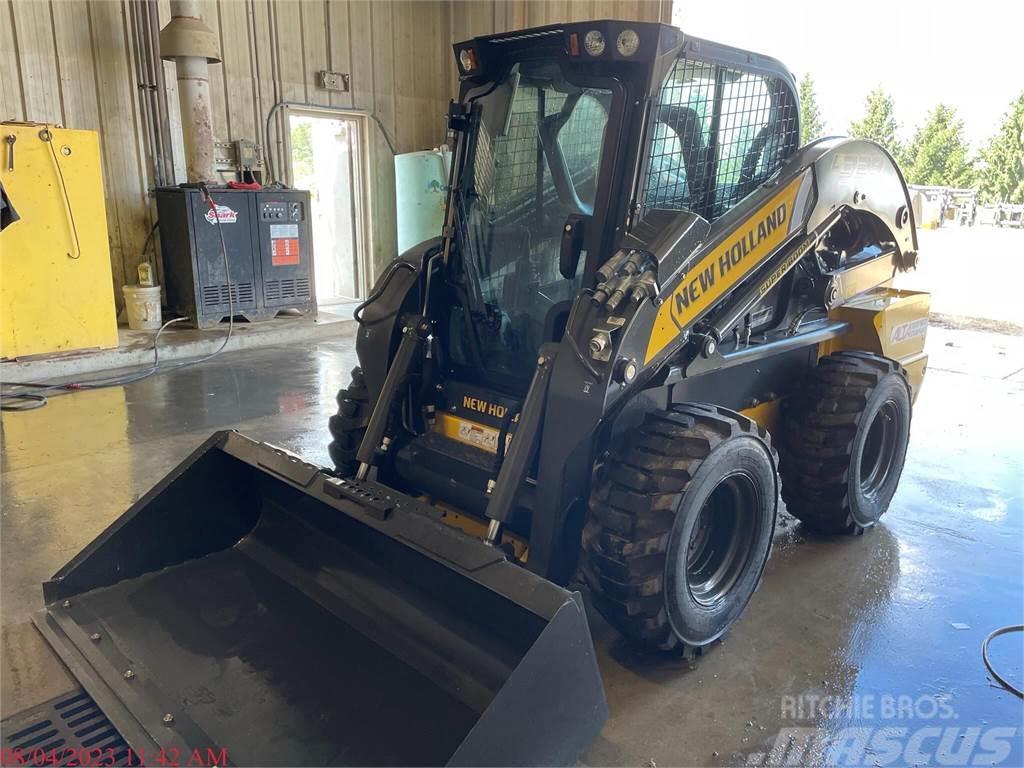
(56, 289)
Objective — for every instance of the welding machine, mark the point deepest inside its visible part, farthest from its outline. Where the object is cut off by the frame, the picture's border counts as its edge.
(269, 246)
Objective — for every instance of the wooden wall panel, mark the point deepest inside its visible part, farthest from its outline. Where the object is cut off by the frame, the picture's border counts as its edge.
(10, 85)
(75, 64)
(211, 11)
(240, 84)
(339, 46)
(314, 50)
(121, 139)
(33, 30)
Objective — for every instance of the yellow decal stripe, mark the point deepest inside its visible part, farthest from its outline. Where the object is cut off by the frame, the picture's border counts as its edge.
(723, 267)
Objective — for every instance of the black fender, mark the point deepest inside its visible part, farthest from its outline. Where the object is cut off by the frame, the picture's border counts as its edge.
(860, 175)
(396, 292)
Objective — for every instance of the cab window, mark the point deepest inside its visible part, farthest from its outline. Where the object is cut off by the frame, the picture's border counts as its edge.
(718, 134)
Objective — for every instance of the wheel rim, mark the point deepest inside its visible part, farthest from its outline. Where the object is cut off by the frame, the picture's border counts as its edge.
(722, 539)
(876, 458)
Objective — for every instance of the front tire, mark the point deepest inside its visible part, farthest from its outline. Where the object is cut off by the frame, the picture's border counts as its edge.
(680, 526)
(846, 437)
(348, 426)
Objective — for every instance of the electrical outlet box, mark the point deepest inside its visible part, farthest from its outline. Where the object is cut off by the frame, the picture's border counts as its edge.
(334, 81)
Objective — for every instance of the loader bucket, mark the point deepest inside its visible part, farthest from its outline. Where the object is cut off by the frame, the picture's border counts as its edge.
(254, 610)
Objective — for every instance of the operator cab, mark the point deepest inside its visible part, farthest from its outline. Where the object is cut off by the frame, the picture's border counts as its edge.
(568, 137)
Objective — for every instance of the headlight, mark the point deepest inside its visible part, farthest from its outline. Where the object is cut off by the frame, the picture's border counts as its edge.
(593, 41)
(467, 60)
(627, 42)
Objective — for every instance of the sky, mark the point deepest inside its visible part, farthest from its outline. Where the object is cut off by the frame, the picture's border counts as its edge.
(969, 55)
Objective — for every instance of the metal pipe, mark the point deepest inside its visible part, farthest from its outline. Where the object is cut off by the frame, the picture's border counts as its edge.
(153, 66)
(160, 93)
(192, 46)
(145, 84)
(196, 118)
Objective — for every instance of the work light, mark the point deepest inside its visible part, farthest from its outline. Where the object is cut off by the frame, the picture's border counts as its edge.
(627, 42)
(593, 41)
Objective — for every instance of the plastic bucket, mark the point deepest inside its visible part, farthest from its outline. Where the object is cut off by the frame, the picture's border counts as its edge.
(142, 304)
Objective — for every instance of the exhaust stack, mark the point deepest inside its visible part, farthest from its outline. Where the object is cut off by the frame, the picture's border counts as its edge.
(192, 46)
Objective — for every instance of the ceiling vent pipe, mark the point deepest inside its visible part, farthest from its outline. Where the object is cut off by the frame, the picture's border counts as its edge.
(192, 46)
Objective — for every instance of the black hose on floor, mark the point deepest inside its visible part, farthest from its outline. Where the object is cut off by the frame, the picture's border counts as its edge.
(28, 396)
(988, 664)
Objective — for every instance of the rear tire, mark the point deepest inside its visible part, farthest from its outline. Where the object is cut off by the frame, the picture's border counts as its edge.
(846, 436)
(680, 526)
(349, 425)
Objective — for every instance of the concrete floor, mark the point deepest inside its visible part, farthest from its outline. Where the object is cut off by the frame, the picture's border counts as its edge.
(887, 627)
(180, 342)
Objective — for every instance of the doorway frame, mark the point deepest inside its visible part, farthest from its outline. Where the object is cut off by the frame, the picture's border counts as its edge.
(362, 195)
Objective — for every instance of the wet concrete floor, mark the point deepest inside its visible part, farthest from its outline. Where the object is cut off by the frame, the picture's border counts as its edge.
(855, 651)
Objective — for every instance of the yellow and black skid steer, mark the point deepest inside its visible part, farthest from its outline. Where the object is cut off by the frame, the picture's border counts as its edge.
(650, 311)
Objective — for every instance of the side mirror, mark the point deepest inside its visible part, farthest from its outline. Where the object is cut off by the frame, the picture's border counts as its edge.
(572, 245)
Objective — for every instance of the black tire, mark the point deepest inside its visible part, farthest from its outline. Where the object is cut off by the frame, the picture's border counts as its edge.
(647, 547)
(349, 425)
(846, 435)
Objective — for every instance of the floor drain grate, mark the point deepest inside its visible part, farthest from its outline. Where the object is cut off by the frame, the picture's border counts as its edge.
(67, 730)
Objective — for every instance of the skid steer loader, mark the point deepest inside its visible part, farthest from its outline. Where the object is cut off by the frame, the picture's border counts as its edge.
(649, 309)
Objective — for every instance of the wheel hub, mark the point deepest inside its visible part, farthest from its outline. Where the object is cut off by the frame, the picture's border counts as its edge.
(879, 449)
(722, 539)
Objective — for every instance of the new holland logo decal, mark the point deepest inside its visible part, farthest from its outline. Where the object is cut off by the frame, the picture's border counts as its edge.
(723, 267)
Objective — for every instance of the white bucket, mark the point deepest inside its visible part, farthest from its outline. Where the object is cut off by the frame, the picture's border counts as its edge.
(142, 304)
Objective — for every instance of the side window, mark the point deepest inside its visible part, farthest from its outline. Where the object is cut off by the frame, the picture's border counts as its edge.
(580, 141)
(756, 121)
(680, 137)
(718, 133)
(506, 167)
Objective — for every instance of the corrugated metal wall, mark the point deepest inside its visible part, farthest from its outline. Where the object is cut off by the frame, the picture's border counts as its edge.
(72, 63)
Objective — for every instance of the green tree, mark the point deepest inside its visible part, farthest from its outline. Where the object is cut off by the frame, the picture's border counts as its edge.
(811, 126)
(938, 155)
(879, 123)
(1001, 178)
(302, 149)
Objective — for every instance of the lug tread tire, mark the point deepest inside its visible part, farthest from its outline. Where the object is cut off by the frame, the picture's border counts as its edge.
(348, 426)
(633, 509)
(819, 434)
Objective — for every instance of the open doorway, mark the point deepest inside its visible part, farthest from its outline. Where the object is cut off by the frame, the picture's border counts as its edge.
(326, 157)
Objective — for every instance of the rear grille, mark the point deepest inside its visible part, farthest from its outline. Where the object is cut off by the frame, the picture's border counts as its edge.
(216, 295)
(276, 290)
(61, 731)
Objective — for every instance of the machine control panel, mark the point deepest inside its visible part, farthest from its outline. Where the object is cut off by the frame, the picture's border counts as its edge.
(289, 211)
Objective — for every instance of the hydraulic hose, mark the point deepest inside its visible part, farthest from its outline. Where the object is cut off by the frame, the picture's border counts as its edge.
(357, 313)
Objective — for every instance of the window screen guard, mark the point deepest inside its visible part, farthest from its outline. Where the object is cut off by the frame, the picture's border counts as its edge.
(716, 134)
